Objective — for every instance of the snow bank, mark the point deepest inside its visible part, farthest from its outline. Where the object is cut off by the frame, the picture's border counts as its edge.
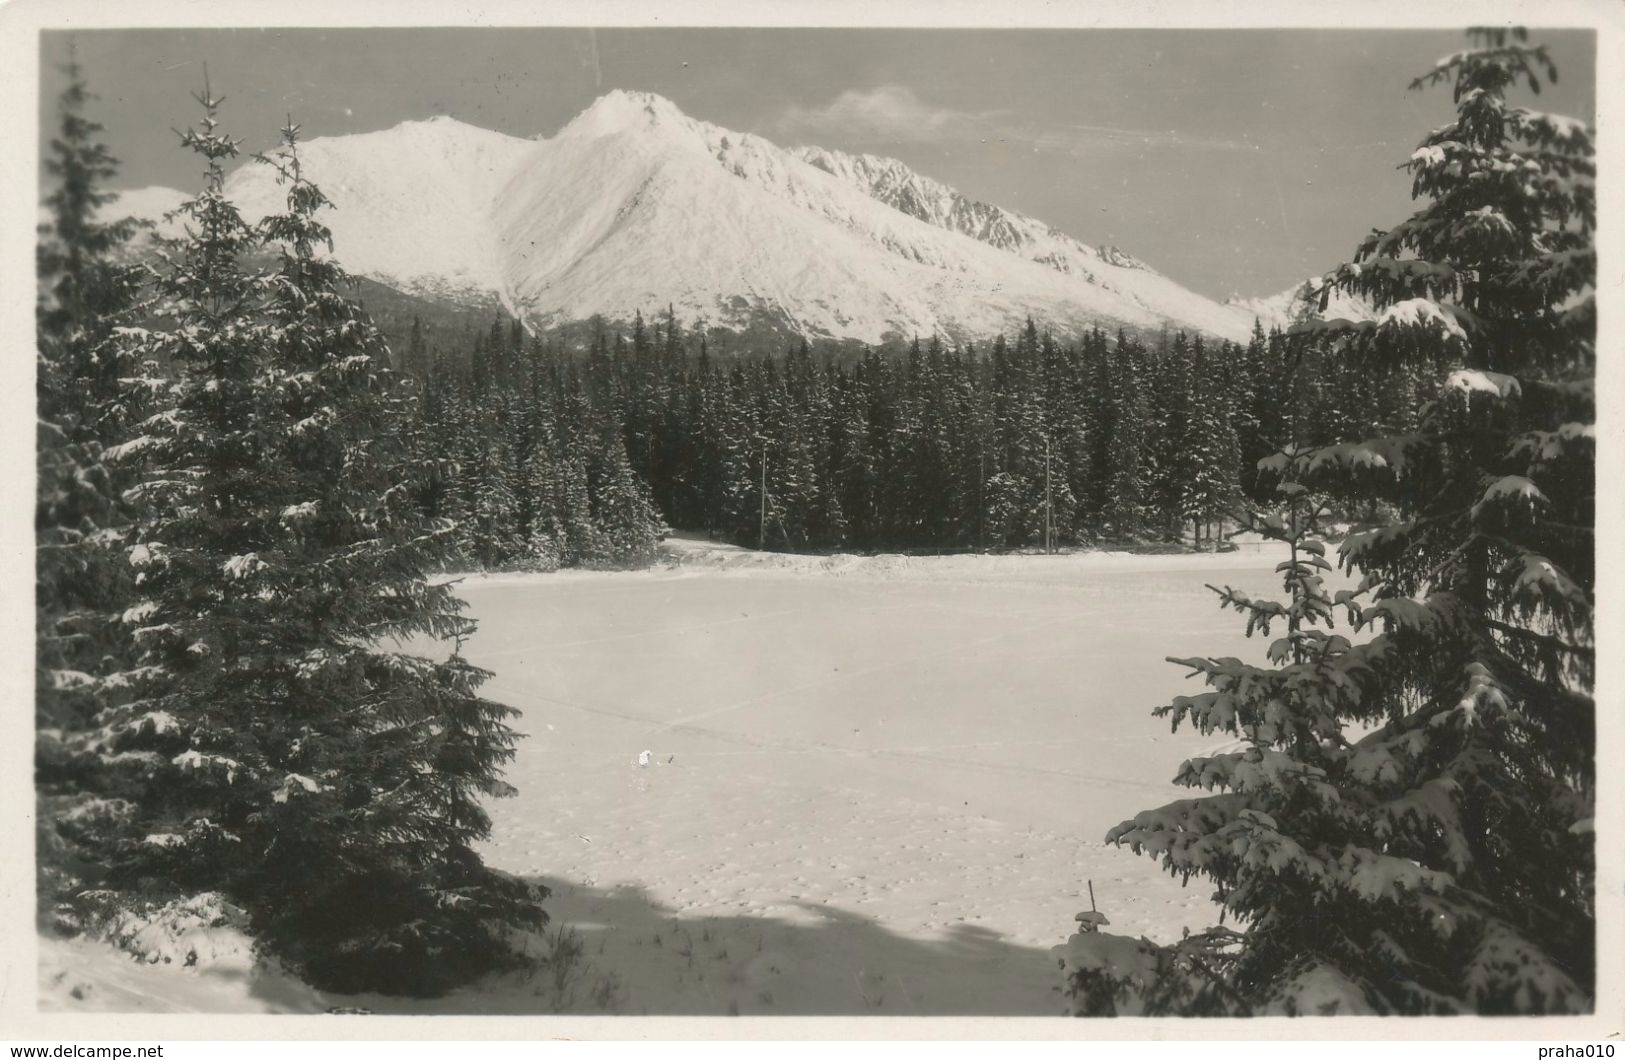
(1026, 568)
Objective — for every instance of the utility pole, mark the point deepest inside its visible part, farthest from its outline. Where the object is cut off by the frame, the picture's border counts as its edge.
(981, 498)
(761, 532)
(1048, 502)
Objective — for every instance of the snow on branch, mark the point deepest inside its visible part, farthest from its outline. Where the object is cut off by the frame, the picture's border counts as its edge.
(1423, 312)
(1475, 381)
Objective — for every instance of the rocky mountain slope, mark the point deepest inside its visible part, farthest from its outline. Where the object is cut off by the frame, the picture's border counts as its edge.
(635, 206)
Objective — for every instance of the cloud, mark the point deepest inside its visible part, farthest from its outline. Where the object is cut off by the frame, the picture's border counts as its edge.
(894, 113)
(888, 112)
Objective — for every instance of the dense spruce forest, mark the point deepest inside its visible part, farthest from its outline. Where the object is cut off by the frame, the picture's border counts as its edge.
(559, 457)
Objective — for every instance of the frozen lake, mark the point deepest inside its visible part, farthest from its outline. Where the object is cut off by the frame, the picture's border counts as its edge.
(873, 784)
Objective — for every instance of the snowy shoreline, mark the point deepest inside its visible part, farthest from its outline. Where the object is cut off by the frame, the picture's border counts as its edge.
(683, 555)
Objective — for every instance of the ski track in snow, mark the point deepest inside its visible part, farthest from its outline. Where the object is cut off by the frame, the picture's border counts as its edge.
(874, 785)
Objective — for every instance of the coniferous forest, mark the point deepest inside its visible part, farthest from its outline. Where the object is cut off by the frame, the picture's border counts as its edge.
(570, 457)
(254, 705)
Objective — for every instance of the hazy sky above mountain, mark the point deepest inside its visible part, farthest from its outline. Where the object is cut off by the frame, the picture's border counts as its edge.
(1233, 161)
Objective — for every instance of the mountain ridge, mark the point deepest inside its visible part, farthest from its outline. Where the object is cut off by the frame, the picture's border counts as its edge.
(634, 204)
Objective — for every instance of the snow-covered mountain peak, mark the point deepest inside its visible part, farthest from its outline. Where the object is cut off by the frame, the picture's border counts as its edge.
(1301, 303)
(634, 205)
(442, 132)
(413, 202)
(1107, 268)
(622, 110)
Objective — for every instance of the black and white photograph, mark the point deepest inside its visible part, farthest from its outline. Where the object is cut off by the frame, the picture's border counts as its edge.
(1047, 517)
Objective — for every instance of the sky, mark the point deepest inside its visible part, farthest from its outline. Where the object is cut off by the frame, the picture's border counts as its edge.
(1234, 161)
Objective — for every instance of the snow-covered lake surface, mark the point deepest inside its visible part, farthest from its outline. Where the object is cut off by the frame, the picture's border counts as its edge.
(872, 784)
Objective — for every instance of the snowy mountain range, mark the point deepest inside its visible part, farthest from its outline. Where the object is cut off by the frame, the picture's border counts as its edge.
(1297, 304)
(634, 205)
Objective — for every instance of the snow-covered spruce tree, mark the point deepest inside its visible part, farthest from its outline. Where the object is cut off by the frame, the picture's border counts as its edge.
(1127, 509)
(628, 526)
(1210, 449)
(87, 388)
(1442, 862)
(1277, 840)
(296, 762)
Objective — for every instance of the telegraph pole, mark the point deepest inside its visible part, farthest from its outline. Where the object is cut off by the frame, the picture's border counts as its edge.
(981, 500)
(761, 532)
(1048, 502)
